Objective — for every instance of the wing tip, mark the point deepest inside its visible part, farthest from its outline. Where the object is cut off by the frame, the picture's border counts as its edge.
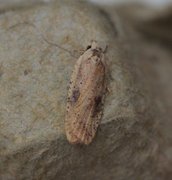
(73, 139)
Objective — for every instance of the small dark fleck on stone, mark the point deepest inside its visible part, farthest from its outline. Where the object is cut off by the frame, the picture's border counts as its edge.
(1, 73)
(26, 72)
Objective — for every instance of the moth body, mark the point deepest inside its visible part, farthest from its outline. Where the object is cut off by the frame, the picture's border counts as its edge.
(86, 96)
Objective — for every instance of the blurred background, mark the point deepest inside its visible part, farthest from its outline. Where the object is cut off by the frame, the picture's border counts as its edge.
(148, 2)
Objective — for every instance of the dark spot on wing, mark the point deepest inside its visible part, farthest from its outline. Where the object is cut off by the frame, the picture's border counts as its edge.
(97, 105)
(98, 100)
(75, 96)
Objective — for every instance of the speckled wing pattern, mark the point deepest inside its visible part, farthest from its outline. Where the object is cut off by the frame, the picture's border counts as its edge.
(86, 96)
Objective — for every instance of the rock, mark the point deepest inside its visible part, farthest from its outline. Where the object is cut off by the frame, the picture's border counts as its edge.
(39, 47)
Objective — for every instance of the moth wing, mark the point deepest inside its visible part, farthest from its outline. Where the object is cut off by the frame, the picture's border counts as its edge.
(84, 108)
(84, 126)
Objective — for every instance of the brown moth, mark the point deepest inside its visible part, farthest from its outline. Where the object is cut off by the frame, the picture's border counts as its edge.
(86, 96)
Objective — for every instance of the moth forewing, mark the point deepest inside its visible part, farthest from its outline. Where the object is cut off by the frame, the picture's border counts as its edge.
(86, 96)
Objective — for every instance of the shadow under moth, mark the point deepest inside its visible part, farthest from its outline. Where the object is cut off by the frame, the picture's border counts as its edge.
(86, 96)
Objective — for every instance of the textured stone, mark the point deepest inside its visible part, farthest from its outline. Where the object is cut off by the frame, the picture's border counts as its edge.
(39, 47)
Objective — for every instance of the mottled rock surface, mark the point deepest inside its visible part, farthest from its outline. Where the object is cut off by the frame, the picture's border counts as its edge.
(39, 47)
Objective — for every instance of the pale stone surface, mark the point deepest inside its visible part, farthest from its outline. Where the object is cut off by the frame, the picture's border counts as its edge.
(39, 47)
(152, 48)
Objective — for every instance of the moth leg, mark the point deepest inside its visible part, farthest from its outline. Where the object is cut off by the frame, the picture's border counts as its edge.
(108, 90)
(106, 49)
(78, 53)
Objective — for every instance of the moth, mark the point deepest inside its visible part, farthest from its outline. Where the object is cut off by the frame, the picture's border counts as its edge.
(86, 96)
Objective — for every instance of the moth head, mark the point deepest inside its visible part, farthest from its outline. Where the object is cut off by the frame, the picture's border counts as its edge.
(94, 46)
(97, 52)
